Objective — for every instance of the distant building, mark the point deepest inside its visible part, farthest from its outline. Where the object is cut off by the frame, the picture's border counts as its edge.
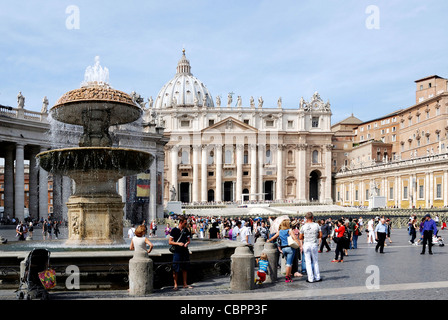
(404, 153)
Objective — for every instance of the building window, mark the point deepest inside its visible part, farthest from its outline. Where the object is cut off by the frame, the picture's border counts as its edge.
(211, 158)
(439, 191)
(391, 193)
(356, 195)
(268, 156)
(184, 158)
(290, 157)
(185, 123)
(246, 121)
(211, 173)
(246, 158)
(269, 123)
(405, 192)
(315, 156)
(211, 122)
(421, 193)
(290, 124)
(367, 193)
(315, 122)
(184, 174)
(228, 158)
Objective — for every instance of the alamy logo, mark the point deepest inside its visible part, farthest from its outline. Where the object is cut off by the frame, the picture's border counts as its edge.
(73, 20)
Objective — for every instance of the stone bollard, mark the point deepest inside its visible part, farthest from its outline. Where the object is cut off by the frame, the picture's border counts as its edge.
(242, 275)
(272, 252)
(259, 246)
(141, 274)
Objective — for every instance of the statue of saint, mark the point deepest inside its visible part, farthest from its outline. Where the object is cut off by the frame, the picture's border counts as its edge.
(279, 102)
(172, 194)
(252, 102)
(150, 102)
(260, 102)
(239, 102)
(44, 105)
(229, 100)
(218, 101)
(20, 100)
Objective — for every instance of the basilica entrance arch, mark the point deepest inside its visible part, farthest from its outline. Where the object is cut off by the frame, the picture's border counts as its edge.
(228, 191)
(314, 185)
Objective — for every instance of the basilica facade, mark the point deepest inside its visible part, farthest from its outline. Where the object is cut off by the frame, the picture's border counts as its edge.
(233, 151)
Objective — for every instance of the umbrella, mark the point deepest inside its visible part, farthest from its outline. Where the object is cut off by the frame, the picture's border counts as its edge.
(276, 224)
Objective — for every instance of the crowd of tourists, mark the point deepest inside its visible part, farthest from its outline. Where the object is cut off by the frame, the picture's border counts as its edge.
(50, 229)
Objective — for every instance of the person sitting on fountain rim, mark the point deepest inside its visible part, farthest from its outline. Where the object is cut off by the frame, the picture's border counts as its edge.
(180, 239)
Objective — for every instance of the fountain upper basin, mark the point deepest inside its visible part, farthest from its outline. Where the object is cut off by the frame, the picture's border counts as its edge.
(119, 105)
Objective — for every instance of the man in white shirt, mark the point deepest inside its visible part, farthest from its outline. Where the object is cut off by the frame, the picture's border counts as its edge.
(310, 234)
(245, 234)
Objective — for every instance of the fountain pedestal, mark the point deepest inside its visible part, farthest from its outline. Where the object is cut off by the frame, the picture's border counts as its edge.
(96, 220)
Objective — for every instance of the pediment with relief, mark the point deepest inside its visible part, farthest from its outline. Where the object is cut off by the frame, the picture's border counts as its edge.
(230, 124)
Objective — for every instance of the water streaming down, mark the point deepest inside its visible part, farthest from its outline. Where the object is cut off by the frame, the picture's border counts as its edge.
(84, 116)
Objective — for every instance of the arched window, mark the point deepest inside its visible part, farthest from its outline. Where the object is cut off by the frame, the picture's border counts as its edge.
(315, 156)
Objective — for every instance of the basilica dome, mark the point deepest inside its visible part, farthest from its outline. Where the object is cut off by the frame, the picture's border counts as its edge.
(184, 90)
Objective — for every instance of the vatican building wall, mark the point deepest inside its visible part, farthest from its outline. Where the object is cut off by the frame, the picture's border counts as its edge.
(402, 156)
(222, 151)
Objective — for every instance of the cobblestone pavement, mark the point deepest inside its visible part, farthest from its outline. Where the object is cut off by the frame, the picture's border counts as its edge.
(401, 273)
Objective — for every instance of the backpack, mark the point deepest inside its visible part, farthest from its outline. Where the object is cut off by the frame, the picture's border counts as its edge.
(346, 234)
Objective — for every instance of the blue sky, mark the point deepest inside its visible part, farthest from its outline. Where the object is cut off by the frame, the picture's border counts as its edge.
(252, 48)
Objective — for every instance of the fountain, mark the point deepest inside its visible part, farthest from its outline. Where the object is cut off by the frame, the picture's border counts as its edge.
(95, 210)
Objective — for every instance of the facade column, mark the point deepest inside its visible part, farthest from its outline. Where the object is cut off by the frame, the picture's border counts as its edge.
(195, 195)
(328, 198)
(431, 189)
(33, 185)
(261, 153)
(239, 171)
(301, 173)
(43, 191)
(280, 167)
(9, 182)
(174, 170)
(399, 192)
(204, 174)
(218, 166)
(19, 183)
(153, 190)
(253, 171)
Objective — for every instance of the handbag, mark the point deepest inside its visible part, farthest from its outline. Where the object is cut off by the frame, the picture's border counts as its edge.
(48, 278)
(292, 243)
(172, 248)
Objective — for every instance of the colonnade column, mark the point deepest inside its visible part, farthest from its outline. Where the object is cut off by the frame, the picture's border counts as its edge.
(280, 181)
(33, 187)
(204, 174)
(19, 193)
(43, 191)
(239, 171)
(253, 171)
(195, 195)
(9, 182)
(174, 164)
(218, 157)
(431, 188)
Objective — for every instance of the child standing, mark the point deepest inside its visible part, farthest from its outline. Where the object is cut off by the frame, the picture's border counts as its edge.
(263, 264)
